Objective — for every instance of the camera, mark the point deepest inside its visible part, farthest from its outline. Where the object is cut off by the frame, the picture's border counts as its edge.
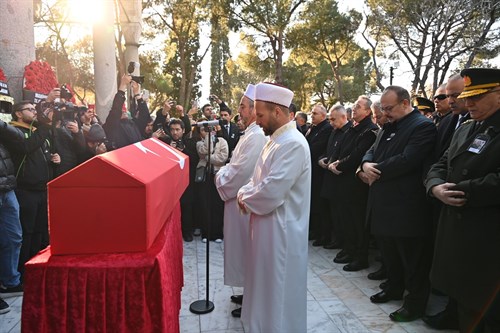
(131, 68)
(212, 98)
(64, 111)
(65, 93)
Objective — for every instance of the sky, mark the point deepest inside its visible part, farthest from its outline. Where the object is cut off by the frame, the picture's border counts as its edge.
(85, 12)
(236, 47)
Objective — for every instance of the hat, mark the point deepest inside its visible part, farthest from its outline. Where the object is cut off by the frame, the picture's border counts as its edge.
(424, 105)
(479, 80)
(273, 93)
(96, 133)
(250, 92)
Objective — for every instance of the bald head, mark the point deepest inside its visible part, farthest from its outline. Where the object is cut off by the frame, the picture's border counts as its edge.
(338, 116)
(454, 87)
(318, 114)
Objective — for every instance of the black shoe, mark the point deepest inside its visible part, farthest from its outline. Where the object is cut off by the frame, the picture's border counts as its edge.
(383, 285)
(355, 266)
(381, 274)
(343, 260)
(444, 320)
(12, 291)
(404, 315)
(341, 253)
(238, 299)
(187, 238)
(384, 297)
(236, 313)
(4, 307)
(318, 242)
(332, 246)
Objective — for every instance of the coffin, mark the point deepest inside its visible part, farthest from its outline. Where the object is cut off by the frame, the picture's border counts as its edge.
(118, 201)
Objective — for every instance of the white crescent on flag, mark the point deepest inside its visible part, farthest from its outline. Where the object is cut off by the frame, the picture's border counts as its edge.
(174, 151)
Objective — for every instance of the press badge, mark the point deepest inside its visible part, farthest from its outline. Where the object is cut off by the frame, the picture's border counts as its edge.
(479, 143)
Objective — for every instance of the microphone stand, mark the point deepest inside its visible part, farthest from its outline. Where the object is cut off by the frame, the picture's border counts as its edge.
(206, 306)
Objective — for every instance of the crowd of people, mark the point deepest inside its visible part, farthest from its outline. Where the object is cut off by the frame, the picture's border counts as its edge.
(417, 179)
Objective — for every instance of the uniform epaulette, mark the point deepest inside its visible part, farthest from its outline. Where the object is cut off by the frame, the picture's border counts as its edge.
(468, 121)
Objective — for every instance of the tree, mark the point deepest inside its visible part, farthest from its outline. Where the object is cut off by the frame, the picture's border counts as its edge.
(433, 35)
(248, 68)
(269, 19)
(180, 19)
(327, 34)
(73, 62)
(220, 81)
(158, 83)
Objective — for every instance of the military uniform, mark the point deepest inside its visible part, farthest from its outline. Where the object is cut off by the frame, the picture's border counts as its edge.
(466, 263)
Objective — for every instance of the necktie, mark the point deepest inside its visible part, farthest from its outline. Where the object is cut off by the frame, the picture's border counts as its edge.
(461, 119)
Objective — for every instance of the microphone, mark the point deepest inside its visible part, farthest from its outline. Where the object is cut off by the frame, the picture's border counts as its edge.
(211, 123)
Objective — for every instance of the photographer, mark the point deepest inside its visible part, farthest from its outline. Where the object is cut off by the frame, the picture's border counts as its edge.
(163, 118)
(95, 143)
(229, 131)
(28, 143)
(180, 142)
(121, 128)
(219, 153)
(67, 138)
(86, 118)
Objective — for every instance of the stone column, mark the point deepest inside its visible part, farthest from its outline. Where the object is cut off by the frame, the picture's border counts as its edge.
(105, 61)
(17, 42)
(130, 20)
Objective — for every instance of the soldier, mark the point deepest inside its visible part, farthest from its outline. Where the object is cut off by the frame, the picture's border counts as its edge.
(425, 106)
(466, 180)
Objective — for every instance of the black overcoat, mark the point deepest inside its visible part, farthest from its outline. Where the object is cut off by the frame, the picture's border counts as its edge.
(466, 262)
(397, 205)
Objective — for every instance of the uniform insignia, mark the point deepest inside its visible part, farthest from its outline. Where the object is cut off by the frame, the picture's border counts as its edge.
(467, 81)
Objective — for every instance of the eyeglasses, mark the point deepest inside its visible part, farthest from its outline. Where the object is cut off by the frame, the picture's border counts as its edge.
(389, 108)
(440, 97)
(28, 109)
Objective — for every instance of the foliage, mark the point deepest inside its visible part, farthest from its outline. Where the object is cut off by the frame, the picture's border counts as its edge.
(433, 35)
(268, 19)
(158, 83)
(220, 80)
(334, 44)
(73, 61)
(180, 19)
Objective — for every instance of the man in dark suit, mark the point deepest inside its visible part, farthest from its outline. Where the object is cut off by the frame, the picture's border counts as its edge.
(317, 137)
(330, 191)
(397, 207)
(229, 131)
(459, 114)
(301, 120)
(179, 141)
(466, 180)
(353, 192)
(441, 104)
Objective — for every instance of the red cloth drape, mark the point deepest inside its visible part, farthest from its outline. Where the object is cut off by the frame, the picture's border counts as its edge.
(123, 292)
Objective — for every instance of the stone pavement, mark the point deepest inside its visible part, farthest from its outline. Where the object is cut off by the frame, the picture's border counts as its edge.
(337, 301)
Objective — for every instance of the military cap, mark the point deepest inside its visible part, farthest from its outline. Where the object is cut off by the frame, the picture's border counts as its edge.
(423, 104)
(479, 80)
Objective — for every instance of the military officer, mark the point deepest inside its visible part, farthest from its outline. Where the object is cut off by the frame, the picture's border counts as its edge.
(467, 181)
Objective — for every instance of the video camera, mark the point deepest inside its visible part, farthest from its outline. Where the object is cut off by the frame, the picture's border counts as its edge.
(131, 68)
